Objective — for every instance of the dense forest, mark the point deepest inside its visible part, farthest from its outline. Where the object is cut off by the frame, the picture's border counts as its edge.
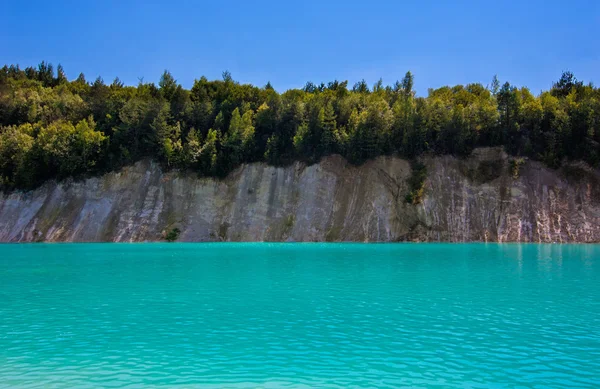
(51, 127)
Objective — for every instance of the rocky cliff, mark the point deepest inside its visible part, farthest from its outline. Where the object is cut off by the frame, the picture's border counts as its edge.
(484, 197)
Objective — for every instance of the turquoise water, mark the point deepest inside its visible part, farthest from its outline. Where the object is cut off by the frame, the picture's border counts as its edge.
(299, 316)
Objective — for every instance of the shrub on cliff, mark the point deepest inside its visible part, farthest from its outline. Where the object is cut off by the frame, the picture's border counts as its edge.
(172, 235)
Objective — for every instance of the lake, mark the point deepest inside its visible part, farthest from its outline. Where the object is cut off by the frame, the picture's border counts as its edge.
(299, 316)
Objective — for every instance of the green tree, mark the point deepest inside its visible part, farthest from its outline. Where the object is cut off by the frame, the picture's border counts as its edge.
(90, 144)
(232, 151)
(45, 74)
(192, 149)
(16, 143)
(361, 87)
(495, 87)
(168, 85)
(329, 130)
(407, 85)
(168, 137)
(369, 130)
(565, 84)
(509, 106)
(266, 123)
(208, 153)
(272, 153)
(68, 150)
(302, 140)
(61, 77)
(50, 127)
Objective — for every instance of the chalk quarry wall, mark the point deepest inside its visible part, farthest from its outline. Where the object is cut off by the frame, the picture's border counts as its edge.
(466, 199)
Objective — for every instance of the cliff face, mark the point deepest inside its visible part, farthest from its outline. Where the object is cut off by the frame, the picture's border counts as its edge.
(472, 199)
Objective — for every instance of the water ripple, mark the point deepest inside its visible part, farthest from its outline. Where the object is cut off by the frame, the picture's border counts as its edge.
(299, 316)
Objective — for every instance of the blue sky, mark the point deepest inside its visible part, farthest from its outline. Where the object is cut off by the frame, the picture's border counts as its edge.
(527, 42)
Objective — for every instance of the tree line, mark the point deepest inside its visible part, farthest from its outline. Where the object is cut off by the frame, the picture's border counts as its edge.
(51, 127)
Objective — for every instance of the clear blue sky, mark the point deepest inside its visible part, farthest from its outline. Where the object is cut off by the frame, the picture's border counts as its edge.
(527, 42)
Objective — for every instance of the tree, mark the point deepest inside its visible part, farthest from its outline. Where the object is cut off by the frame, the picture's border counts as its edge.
(508, 106)
(378, 87)
(227, 76)
(219, 123)
(266, 123)
(192, 149)
(46, 74)
(31, 73)
(89, 143)
(135, 136)
(407, 85)
(167, 85)
(117, 84)
(68, 150)
(309, 87)
(50, 127)
(329, 130)
(248, 130)
(81, 79)
(15, 147)
(403, 112)
(61, 78)
(272, 153)
(168, 137)
(565, 84)
(369, 130)
(208, 153)
(232, 149)
(361, 87)
(555, 130)
(495, 87)
(302, 140)
(287, 126)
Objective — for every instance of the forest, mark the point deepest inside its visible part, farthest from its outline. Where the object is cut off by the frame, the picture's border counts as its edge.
(53, 128)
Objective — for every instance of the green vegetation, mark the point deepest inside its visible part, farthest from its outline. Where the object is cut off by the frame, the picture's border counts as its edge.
(173, 235)
(54, 128)
(416, 183)
(223, 228)
(515, 167)
(288, 224)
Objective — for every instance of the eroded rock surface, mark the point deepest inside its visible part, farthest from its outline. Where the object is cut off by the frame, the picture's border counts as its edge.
(471, 199)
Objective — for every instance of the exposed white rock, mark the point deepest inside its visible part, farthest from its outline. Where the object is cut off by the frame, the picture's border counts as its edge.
(471, 199)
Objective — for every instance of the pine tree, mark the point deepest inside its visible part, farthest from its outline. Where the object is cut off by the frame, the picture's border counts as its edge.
(192, 149)
(81, 79)
(61, 78)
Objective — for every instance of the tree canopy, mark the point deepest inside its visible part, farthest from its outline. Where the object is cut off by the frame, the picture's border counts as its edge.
(51, 127)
